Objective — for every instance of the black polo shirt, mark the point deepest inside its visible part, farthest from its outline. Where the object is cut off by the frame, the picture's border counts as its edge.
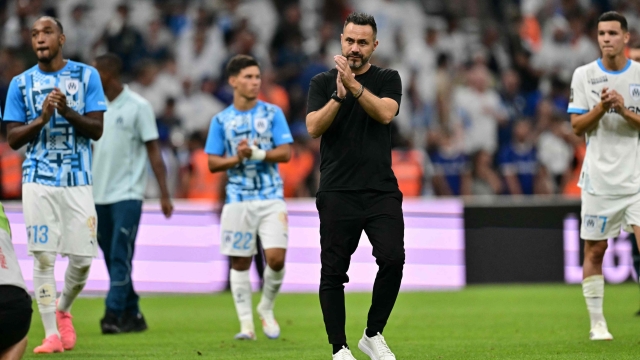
(355, 151)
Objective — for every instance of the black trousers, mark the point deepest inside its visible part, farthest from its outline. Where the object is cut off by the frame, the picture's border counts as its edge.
(343, 217)
(15, 315)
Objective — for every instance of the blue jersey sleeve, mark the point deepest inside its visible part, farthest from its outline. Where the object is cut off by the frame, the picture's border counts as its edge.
(94, 98)
(15, 108)
(215, 139)
(281, 132)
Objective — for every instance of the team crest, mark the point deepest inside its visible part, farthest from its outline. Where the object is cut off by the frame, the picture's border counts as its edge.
(72, 86)
(634, 90)
(260, 125)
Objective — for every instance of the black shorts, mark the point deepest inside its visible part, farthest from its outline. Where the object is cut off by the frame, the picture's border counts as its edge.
(15, 315)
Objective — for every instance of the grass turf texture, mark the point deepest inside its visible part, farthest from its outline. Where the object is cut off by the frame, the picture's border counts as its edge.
(480, 322)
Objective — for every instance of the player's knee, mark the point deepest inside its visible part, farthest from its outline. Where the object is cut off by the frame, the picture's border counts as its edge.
(276, 263)
(44, 260)
(240, 263)
(594, 251)
(81, 264)
(331, 279)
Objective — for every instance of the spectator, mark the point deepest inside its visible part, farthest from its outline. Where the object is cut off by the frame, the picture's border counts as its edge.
(297, 172)
(451, 168)
(555, 151)
(408, 165)
(514, 103)
(123, 39)
(80, 34)
(484, 180)
(197, 182)
(481, 111)
(197, 107)
(273, 93)
(519, 162)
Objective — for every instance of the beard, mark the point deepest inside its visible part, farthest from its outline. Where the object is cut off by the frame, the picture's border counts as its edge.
(48, 59)
(357, 61)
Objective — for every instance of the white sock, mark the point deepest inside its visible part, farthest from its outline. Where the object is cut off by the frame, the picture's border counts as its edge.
(271, 288)
(593, 290)
(241, 290)
(75, 278)
(44, 285)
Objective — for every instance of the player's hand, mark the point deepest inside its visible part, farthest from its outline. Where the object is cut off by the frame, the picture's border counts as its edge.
(59, 100)
(167, 206)
(244, 150)
(617, 101)
(342, 91)
(47, 109)
(344, 71)
(606, 99)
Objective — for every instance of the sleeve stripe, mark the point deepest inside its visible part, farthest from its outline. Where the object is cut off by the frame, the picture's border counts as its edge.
(577, 111)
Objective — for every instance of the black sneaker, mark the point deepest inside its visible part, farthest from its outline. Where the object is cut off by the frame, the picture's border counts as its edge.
(133, 323)
(111, 324)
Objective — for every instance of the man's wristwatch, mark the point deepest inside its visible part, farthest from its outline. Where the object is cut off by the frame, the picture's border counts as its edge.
(337, 98)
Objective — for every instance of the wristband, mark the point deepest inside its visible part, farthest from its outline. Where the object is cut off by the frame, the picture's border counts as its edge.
(257, 153)
(360, 92)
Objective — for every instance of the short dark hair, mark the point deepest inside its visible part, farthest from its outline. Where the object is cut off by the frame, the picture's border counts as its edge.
(614, 16)
(111, 63)
(55, 20)
(358, 18)
(239, 62)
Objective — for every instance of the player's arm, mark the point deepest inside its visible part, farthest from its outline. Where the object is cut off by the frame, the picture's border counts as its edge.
(221, 163)
(319, 121)
(89, 125)
(160, 171)
(381, 109)
(19, 132)
(618, 104)
(281, 153)
(582, 123)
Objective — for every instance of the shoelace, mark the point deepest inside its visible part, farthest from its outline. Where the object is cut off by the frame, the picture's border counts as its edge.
(345, 355)
(381, 346)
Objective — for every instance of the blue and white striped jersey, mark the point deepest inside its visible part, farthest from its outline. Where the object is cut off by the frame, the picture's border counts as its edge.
(265, 126)
(59, 156)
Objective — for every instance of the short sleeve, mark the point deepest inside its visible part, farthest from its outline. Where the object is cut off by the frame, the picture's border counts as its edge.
(392, 88)
(14, 108)
(280, 131)
(94, 97)
(215, 139)
(146, 123)
(317, 98)
(578, 98)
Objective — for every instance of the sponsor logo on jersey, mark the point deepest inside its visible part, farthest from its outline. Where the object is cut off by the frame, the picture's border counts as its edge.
(571, 96)
(634, 90)
(598, 80)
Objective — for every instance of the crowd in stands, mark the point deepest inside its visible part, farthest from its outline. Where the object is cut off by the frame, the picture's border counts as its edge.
(485, 82)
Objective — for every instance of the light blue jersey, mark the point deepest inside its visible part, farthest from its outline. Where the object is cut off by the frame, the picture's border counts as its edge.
(59, 155)
(265, 126)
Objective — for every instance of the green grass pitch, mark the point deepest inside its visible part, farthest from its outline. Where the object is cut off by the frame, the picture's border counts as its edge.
(480, 322)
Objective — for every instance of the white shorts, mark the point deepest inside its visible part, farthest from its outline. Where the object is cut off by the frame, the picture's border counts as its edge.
(603, 216)
(60, 219)
(241, 221)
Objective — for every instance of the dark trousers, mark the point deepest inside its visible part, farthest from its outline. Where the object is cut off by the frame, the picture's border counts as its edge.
(117, 229)
(15, 315)
(343, 217)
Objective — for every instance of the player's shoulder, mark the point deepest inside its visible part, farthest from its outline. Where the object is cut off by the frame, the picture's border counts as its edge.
(225, 115)
(78, 66)
(269, 108)
(21, 78)
(586, 68)
(138, 99)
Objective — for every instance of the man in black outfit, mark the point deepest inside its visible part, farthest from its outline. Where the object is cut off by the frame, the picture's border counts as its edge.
(351, 106)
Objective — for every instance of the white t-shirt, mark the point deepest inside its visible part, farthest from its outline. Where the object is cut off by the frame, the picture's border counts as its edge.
(10, 273)
(612, 161)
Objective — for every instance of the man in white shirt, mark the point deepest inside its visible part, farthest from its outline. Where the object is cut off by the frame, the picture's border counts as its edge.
(119, 163)
(604, 106)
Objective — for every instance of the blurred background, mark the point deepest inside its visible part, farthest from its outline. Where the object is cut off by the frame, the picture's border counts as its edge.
(485, 82)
